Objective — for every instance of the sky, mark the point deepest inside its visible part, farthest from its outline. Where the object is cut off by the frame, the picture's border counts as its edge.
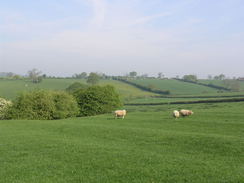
(115, 37)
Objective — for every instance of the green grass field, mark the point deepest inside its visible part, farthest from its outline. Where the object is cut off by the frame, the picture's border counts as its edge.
(10, 88)
(220, 83)
(176, 87)
(147, 146)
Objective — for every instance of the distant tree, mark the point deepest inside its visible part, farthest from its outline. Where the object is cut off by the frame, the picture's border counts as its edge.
(16, 76)
(76, 86)
(210, 77)
(160, 75)
(35, 75)
(93, 78)
(219, 77)
(133, 74)
(83, 75)
(192, 78)
(10, 74)
(144, 75)
(234, 85)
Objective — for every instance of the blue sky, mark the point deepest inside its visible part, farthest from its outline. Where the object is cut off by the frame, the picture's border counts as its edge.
(176, 37)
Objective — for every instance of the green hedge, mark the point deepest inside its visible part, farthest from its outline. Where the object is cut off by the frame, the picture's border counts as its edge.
(42, 104)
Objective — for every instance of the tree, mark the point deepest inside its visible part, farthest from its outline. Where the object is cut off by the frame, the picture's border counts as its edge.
(192, 78)
(210, 77)
(93, 78)
(97, 100)
(76, 86)
(82, 75)
(219, 77)
(234, 85)
(133, 74)
(160, 75)
(35, 75)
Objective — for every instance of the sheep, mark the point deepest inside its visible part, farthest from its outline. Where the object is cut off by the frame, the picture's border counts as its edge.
(184, 112)
(120, 113)
(176, 114)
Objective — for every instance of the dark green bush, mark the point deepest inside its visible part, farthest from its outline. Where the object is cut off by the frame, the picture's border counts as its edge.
(97, 100)
(65, 105)
(42, 104)
(76, 86)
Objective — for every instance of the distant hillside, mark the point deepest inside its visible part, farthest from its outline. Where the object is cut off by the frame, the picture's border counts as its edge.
(175, 87)
(222, 83)
(10, 88)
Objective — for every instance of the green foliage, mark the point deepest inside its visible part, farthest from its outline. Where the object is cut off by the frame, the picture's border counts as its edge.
(4, 106)
(42, 104)
(76, 86)
(82, 75)
(192, 78)
(133, 74)
(93, 78)
(97, 100)
(35, 76)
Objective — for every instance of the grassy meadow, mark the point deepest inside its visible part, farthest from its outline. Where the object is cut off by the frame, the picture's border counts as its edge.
(176, 87)
(11, 88)
(149, 145)
(144, 147)
(221, 83)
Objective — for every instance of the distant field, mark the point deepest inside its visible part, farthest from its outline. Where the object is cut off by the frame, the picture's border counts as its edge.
(147, 146)
(220, 83)
(176, 87)
(10, 88)
(165, 100)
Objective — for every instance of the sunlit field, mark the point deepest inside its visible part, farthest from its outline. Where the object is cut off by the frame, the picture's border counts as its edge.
(11, 88)
(147, 146)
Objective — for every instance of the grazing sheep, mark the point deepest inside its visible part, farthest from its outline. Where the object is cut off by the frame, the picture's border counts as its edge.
(176, 114)
(185, 112)
(120, 113)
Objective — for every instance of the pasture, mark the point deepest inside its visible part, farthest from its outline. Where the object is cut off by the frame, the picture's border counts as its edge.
(10, 88)
(147, 146)
(176, 87)
(221, 83)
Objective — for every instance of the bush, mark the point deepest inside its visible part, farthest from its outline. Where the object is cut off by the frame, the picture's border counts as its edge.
(4, 106)
(42, 104)
(76, 86)
(97, 100)
(65, 105)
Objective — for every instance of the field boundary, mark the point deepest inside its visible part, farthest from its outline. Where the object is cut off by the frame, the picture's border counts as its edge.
(189, 102)
(144, 88)
(195, 96)
(207, 85)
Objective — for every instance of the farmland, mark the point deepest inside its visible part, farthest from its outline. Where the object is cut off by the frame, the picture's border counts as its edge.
(144, 147)
(176, 87)
(10, 88)
(221, 83)
(149, 145)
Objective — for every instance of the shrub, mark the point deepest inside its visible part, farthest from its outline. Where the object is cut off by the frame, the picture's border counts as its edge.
(97, 100)
(76, 86)
(42, 104)
(4, 106)
(65, 105)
